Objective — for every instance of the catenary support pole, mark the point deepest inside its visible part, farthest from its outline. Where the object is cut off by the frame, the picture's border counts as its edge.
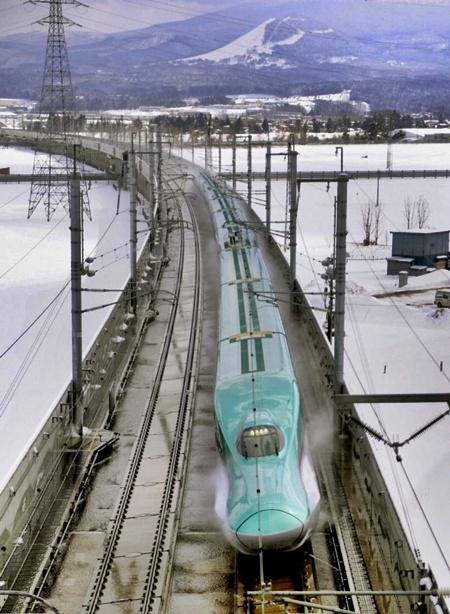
(249, 170)
(220, 152)
(233, 162)
(75, 274)
(268, 186)
(151, 175)
(159, 171)
(293, 219)
(133, 222)
(208, 148)
(288, 187)
(340, 266)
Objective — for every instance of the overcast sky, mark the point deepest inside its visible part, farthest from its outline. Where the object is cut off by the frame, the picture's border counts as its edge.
(122, 15)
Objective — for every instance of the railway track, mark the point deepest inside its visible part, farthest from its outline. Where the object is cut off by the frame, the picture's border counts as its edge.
(289, 571)
(297, 571)
(344, 547)
(131, 576)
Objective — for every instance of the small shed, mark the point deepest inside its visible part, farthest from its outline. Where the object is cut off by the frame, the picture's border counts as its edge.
(396, 265)
(424, 245)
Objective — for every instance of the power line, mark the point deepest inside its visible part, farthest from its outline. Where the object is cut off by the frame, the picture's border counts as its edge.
(30, 355)
(32, 248)
(36, 319)
(8, 202)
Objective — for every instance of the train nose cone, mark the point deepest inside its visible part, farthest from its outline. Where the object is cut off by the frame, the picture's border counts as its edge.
(278, 530)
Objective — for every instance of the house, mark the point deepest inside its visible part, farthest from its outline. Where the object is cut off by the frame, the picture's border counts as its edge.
(413, 135)
(419, 250)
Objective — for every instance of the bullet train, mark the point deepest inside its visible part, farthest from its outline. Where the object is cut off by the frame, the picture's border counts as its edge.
(272, 496)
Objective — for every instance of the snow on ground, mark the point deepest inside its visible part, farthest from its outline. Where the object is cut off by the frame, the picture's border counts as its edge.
(394, 343)
(34, 268)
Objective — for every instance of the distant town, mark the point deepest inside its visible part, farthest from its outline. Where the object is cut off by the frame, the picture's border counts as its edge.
(312, 119)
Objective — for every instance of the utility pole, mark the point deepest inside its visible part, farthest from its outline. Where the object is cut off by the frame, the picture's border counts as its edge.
(249, 170)
(133, 222)
(75, 279)
(340, 269)
(389, 156)
(220, 152)
(233, 161)
(208, 149)
(293, 206)
(268, 186)
(377, 212)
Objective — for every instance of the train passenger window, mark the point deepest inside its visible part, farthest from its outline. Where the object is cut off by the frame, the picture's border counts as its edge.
(261, 440)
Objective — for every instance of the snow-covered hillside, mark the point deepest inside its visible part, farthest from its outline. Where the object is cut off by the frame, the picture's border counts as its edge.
(258, 47)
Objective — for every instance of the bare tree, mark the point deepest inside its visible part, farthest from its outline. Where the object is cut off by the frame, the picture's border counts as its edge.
(368, 221)
(377, 216)
(423, 211)
(409, 211)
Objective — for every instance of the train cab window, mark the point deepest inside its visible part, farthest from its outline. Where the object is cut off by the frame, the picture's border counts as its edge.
(261, 440)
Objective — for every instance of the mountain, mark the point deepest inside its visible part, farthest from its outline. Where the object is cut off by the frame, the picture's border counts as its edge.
(280, 47)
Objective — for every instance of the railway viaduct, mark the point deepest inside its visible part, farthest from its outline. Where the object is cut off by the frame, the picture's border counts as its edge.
(135, 528)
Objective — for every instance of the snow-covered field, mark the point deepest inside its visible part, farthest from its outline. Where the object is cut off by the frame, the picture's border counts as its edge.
(393, 344)
(34, 268)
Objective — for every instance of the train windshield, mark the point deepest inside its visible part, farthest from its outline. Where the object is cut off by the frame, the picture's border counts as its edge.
(261, 440)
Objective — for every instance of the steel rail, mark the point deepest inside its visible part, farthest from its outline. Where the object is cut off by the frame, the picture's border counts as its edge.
(351, 568)
(170, 482)
(102, 573)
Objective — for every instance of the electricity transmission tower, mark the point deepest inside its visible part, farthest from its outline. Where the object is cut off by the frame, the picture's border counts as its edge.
(51, 171)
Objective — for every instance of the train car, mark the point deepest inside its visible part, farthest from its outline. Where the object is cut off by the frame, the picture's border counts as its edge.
(272, 496)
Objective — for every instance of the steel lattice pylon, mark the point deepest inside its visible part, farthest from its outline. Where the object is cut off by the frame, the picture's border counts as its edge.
(56, 110)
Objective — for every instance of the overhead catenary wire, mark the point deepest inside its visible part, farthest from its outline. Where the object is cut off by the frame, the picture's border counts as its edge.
(393, 466)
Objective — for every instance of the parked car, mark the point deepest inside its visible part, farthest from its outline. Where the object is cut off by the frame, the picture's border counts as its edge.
(442, 298)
